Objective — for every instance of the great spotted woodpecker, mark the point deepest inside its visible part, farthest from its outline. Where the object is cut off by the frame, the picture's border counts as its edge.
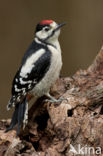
(40, 68)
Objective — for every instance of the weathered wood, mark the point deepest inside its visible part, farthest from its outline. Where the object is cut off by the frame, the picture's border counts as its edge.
(53, 127)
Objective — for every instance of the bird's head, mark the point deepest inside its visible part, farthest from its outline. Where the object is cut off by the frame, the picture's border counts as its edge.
(48, 30)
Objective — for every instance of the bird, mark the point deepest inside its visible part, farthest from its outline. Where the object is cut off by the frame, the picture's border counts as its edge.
(39, 69)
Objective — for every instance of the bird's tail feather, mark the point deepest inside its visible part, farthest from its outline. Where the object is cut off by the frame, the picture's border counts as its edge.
(19, 116)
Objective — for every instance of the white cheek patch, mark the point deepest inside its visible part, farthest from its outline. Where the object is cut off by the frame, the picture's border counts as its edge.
(41, 34)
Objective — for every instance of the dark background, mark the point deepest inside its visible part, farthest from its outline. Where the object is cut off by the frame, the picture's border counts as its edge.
(80, 39)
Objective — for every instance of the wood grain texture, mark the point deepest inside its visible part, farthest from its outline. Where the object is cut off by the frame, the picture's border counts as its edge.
(53, 127)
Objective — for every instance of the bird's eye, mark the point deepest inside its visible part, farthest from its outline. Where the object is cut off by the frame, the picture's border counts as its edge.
(47, 29)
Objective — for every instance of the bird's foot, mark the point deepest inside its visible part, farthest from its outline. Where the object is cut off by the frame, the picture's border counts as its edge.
(53, 100)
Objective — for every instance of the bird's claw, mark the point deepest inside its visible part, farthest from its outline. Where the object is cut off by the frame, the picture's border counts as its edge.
(56, 100)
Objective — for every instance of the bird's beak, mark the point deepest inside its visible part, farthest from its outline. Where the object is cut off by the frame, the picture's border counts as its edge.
(59, 26)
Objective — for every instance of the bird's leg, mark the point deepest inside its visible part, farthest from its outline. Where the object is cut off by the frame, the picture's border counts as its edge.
(53, 100)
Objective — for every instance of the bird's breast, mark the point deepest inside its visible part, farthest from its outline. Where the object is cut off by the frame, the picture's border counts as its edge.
(51, 75)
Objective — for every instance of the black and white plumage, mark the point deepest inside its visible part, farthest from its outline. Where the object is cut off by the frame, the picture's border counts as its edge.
(39, 70)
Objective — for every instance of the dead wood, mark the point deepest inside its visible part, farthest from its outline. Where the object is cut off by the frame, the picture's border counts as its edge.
(53, 127)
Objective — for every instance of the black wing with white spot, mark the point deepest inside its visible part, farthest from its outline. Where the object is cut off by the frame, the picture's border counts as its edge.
(24, 83)
(30, 73)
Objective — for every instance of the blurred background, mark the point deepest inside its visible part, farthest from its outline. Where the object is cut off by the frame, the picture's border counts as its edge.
(80, 39)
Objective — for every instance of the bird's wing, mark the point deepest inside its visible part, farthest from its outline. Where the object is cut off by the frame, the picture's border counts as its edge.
(30, 73)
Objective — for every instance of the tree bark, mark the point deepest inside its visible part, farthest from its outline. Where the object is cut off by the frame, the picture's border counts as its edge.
(54, 127)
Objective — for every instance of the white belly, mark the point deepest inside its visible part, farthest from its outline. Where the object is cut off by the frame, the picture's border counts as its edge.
(51, 76)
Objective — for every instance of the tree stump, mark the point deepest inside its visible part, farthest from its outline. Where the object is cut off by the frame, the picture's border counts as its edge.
(72, 127)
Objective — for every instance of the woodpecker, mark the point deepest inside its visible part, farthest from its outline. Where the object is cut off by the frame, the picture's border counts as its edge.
(39, 69)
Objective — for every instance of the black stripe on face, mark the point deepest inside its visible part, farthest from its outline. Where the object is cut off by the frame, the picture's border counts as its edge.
(40, 27)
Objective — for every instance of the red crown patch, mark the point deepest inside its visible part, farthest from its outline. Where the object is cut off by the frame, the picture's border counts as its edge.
(46, 22)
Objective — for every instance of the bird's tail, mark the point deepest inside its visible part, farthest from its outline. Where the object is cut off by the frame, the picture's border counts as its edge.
(20, 116)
